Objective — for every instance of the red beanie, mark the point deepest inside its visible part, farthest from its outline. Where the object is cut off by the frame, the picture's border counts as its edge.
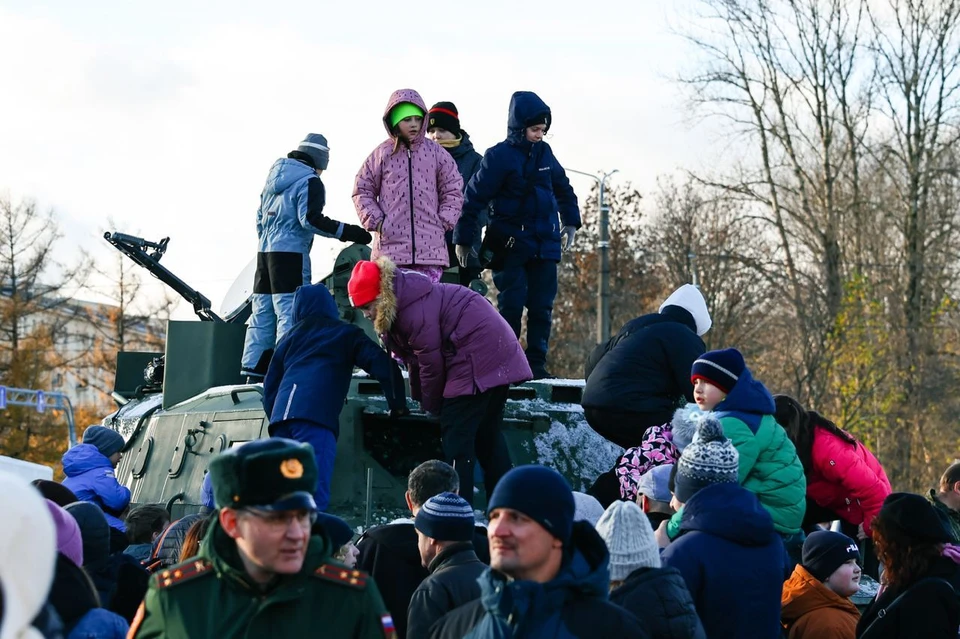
(364, 284)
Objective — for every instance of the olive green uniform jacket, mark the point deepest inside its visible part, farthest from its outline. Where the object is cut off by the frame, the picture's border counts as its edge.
(211, 596)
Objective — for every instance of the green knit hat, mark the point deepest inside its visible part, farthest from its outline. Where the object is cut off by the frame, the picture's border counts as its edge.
(404, 110)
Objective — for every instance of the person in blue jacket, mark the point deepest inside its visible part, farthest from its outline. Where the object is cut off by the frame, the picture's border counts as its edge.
(290, 214)
(309, 377)
(89, 469)
(728, 552)
(527, 188)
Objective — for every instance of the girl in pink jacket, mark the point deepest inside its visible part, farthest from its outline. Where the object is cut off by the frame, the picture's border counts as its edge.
(844, 479)
(409, 191)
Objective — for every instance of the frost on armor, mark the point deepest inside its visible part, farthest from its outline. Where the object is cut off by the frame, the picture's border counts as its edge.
(579, 453)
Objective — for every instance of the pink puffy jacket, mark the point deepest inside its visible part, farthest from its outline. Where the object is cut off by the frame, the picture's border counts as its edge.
(410, 196)
(846, 478)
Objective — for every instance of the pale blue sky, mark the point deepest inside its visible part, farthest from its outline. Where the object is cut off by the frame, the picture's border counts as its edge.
(166, 116)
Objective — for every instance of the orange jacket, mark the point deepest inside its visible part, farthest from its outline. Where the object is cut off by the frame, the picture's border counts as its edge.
(810, 610)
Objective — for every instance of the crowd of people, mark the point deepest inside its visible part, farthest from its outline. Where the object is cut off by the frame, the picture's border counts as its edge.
(714, 523)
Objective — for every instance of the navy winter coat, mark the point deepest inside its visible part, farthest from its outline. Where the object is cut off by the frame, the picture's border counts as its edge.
(645, 368)
(310, 372)
(91, 477)
(468, 163)
(526, 186)
(732, 561)
(573, 604)
(660, 600)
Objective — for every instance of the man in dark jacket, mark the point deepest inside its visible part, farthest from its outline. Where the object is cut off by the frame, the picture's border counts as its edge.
(728, 552)
(548, 575)
(527, 188)
(390, 553)
(445, 528)
(443, 127)
(639, 377)
(309, 377)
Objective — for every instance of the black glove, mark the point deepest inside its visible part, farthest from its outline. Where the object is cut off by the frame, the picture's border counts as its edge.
(353, 233)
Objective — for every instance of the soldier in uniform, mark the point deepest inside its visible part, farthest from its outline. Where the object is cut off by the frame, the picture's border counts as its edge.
(260, 572)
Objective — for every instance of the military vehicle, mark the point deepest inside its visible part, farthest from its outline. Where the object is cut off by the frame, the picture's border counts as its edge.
(182, 406)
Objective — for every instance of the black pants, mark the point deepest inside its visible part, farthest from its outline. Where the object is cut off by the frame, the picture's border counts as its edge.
(623, 427)
(816, 514)
(470, 431)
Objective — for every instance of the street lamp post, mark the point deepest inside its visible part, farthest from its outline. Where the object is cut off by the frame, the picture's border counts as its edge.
(603, 290)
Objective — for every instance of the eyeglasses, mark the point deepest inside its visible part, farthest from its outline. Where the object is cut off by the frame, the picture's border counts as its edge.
(281, 520)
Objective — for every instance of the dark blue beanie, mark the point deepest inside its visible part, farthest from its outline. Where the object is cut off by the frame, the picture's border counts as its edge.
(720, 368)
(339, 531)
(541, 494)
(107, 440)
(446, 517)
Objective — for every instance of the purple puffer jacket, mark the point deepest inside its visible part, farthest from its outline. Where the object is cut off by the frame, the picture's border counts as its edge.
(452, 339)
(409, 196)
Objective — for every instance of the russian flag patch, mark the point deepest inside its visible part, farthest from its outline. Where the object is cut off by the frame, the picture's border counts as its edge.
(389, 630)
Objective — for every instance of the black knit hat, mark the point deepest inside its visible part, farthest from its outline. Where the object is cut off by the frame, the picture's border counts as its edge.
(915, 516)
(444, 115)
(824, 551)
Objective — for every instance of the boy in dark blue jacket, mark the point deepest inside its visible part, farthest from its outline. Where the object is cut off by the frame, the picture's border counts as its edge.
(309, 377)
(728, 552)
(527, 188)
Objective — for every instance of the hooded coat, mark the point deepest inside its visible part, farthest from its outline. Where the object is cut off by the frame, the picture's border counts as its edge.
(452, 339)
(310, 372)
(574, 603)
(769, 466)
(645, 368)
(526, 187)
(91, 477)
(468, 163)
(660, 600)
(810, 610)
(661, 445)
(732, 561)
(410, 195)
(291, 211)
(74, 598)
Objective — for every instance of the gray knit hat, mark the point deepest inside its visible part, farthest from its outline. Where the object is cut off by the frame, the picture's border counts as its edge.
(709, 459)
(586, 508)
(629, 538)
(315, 145)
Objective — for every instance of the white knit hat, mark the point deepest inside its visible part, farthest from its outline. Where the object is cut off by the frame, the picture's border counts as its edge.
(587, 508)
(629, 538)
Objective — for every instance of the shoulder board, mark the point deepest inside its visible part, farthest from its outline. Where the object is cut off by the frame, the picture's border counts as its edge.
(342, 575)
(183, 573)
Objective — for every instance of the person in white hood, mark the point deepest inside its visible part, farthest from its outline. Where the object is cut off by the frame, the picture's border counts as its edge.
(639, 377)
(28, 547)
